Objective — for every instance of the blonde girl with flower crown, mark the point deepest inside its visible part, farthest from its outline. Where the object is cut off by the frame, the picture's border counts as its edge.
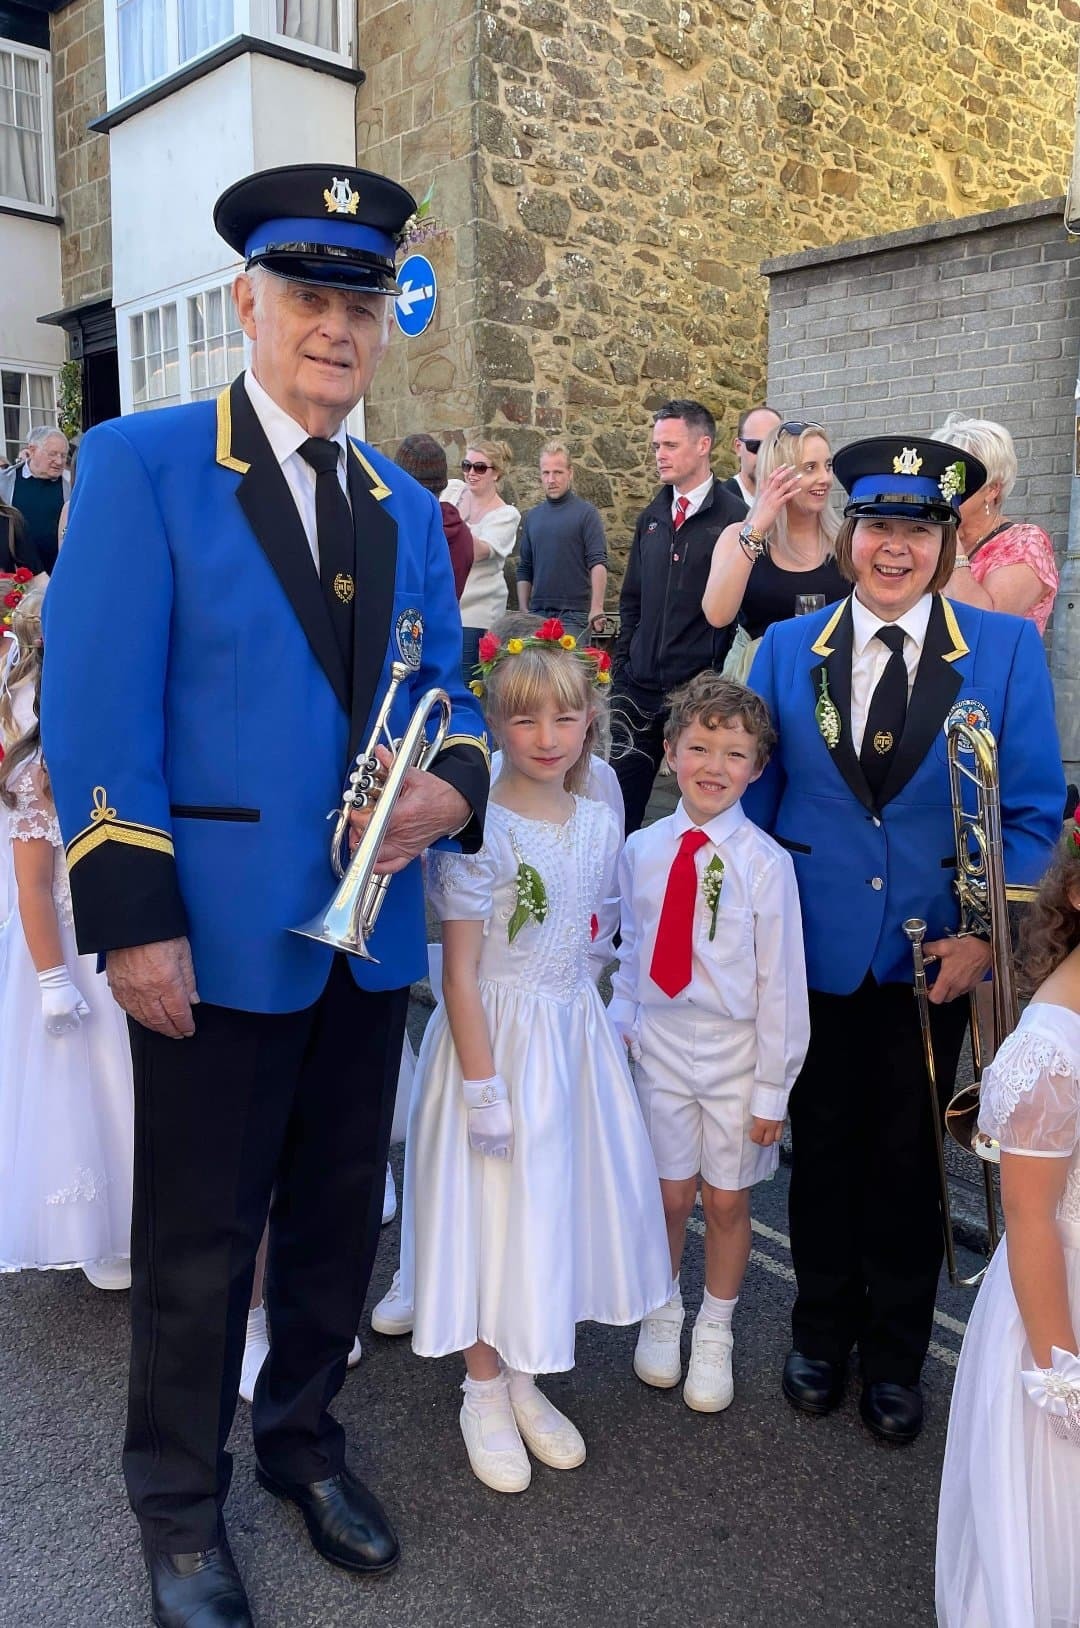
(66, 1115)
(530, 1184)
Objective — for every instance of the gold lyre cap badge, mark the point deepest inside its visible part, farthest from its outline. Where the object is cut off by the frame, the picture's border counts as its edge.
(341, 198)
(908, 462)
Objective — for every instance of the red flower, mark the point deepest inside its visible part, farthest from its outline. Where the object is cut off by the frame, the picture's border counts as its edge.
(23, 575)
(12, 599)
(594, 927)
(601, 657)
(488, 647)
(551, 629)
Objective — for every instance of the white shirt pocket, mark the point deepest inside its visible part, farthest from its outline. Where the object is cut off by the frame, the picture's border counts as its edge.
(728, 964)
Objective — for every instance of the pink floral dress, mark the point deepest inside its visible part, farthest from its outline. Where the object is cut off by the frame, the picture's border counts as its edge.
(1021, 544)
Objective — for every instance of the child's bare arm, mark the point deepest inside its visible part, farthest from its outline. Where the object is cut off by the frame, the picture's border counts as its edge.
(462, 942)
(34, 883)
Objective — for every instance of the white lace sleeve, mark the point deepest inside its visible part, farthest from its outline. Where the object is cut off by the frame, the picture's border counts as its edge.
(1030, 1098)
(461, 886)
(34, 814)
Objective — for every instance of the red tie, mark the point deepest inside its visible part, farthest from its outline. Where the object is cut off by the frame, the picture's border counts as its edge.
(673, 952)
(681, 506)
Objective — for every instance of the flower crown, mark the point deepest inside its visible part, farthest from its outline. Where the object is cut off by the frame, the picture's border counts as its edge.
(492, 652)
(1076, 826)
(12, 587)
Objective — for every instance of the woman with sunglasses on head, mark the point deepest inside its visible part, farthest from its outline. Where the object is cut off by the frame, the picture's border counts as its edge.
(494, 525)
(783, 550)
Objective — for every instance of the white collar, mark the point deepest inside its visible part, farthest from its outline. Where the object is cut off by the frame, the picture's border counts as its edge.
(748, 496)
(282, 431)
(864, 624)
(718, 829)
(696, 496)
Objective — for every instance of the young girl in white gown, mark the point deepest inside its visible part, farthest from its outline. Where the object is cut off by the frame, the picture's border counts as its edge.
(66, 1115)
(534, 1196)
(1008, 1545)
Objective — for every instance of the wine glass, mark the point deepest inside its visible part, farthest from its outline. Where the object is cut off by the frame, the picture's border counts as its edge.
(805, 603)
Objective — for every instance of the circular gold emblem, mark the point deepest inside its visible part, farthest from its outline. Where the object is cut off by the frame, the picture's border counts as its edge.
(883, 741)
(344, 587)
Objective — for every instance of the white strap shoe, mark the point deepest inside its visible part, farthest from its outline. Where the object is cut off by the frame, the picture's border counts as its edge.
(657, 1356)
(393, 1314)
(495, 1448)
(548, 1434)
(709, 1386)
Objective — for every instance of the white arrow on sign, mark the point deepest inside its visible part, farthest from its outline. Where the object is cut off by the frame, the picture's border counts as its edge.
(411, 296)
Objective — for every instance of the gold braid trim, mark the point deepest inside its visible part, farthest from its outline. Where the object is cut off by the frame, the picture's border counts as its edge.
(479, 741)
(1020, 893)
(105, 827)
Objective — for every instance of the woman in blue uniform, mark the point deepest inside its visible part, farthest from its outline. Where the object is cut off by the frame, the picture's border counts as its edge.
(862, 695)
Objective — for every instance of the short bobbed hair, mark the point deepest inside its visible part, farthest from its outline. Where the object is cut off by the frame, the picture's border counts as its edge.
(496, 453)
(536, 676)
(946, 559)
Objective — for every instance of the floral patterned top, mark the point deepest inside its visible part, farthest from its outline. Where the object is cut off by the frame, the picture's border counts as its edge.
(1021, 544)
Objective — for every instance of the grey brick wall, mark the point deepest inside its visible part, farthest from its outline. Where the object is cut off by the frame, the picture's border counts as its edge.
(982, 315)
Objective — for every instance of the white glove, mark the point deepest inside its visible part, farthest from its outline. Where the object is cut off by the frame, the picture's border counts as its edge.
(62, 1007)
(491, 1122)
(1056, 1391)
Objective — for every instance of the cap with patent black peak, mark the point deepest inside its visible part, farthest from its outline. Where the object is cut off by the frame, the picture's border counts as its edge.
(325, 224)
(908, 476)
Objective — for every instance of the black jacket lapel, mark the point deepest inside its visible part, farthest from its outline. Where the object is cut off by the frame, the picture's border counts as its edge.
(932, 694)
(376, 573)
(834, 643)
(264, 496)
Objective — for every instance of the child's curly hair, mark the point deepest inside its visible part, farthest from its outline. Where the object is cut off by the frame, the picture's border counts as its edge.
(710, 699)
(1050, 929)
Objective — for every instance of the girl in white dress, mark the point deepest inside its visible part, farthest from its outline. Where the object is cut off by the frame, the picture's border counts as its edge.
(1008, 1542)
(66, 1113)
(534, 1196)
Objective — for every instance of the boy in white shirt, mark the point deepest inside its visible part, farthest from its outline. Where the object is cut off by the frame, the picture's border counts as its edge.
(710, 997)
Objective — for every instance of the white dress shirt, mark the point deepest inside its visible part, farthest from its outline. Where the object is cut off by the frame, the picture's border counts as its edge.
(697, 495)
(869, 655)
(285, 436)
(751, 971)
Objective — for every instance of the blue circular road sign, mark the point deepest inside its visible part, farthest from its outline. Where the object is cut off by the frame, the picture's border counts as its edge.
(414, 307)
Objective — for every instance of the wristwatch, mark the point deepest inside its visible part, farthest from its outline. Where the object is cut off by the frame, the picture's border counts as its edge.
(752, 542)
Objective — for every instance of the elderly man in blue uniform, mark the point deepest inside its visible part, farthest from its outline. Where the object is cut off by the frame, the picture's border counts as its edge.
(858, 790)
(258, 573)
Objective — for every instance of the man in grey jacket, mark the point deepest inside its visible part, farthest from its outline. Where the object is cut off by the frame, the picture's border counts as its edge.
(562, 566)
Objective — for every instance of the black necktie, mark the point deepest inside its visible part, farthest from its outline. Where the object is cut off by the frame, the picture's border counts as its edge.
(888, 709)
(337, 540)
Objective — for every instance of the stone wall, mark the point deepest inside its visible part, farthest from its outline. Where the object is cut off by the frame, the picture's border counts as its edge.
(636, 160)
(82, 159)
(981, 316)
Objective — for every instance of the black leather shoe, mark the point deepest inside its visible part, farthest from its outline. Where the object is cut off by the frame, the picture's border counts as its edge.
(345, 1521)
(812, 1384)
(201, 1590)
(892, 1412)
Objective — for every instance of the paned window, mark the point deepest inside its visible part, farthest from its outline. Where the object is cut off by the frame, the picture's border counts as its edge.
(146, 40)
(215, 341)
(25, 126)
(29, 399)
(155, 359)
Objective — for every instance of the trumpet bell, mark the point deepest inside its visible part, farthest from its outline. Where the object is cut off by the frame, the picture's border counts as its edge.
(337, 935)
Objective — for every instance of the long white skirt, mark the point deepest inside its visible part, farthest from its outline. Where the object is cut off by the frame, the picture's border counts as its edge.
(1008, 1540)
(572, 1229)
(66, 1118)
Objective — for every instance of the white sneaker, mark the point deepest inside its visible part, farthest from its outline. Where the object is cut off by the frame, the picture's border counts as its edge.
(389, 1203)
(355, 1354)
(657, 1357)
(393, 1314)
(256, 1351)
(495, 1448)
(709, 1386)
(109, 1274)
(548, 1434)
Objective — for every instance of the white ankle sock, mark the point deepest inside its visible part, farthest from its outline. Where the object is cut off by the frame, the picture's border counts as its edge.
(714, 1310)
(521, 1386)
(256, 1322)
(676, 1295)
(488, 1398)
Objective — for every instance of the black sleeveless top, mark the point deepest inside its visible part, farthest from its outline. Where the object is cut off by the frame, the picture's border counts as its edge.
(770, 592)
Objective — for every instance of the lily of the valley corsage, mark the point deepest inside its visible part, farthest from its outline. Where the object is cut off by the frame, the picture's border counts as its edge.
(711, 884)
(828, 719)
(532, 902)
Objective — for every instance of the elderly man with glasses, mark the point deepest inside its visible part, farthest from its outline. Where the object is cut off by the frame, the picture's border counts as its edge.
(36, 488)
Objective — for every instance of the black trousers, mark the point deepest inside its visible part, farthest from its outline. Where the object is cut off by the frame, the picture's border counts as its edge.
(287, 1113)
(637, 749)
(865, 1217)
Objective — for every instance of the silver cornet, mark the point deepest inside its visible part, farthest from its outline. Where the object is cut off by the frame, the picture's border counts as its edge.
(349, 919)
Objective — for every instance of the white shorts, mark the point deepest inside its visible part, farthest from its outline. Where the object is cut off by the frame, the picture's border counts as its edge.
(694, 1084)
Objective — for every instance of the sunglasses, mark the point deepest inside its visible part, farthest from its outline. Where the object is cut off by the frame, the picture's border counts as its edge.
(790, 428)
(473, 469)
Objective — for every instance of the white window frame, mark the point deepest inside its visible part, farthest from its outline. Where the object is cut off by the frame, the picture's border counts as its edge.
(11, 365)
(48, 151)
(257, 18)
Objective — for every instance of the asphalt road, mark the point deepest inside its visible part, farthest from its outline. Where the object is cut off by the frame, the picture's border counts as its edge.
(757, 1516)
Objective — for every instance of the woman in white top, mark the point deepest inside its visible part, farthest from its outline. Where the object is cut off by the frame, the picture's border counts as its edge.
(494, 525)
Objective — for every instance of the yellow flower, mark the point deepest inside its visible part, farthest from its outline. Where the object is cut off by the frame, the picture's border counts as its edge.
(514, 646)
(476, 687)
(603, 678)
(568, 641)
